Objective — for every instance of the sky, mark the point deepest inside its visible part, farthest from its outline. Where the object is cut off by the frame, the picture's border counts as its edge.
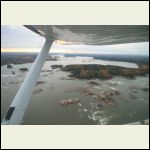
(21, 39)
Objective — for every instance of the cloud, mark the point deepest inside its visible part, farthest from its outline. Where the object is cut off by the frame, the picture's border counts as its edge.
(21, 37)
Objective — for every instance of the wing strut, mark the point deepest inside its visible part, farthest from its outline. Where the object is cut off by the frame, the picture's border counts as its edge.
(20, 103)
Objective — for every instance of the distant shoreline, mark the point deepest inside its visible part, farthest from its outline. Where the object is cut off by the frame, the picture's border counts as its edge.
(20, 58)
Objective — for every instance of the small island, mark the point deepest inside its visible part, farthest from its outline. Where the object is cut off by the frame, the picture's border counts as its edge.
(56, 66)
(23, 69)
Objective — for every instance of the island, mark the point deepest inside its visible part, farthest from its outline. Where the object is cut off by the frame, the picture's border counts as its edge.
(89, 71)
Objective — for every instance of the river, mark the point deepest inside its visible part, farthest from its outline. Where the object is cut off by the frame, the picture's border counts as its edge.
(44, 108)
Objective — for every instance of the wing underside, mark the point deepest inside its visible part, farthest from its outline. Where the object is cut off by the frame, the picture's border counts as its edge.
(94, 34)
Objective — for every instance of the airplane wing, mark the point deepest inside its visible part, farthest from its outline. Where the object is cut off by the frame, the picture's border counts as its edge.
(94, 34)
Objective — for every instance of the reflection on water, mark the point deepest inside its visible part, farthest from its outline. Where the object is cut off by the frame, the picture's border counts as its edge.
(90, 60)
(55, 85)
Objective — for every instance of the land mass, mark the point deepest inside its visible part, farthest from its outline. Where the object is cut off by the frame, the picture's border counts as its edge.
(21, 58)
